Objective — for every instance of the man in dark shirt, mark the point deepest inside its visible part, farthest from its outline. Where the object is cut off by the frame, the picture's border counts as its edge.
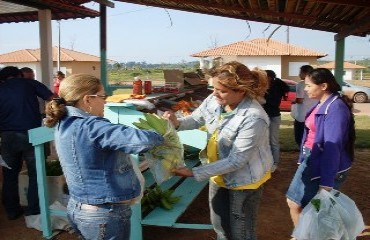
(19, 112)
(277, 90)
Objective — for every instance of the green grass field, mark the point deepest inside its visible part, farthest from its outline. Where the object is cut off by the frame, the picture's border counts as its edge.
(119, 76)
(287, 142)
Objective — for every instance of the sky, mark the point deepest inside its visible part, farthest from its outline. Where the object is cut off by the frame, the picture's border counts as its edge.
(155, 35)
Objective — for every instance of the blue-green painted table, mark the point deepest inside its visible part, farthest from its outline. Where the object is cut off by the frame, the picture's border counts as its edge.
(123, 113)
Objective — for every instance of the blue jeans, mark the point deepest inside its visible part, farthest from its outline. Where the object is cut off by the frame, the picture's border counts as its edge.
(234, 212)
(14, 149)
(106, 222)
(302, 189)
(274, 138)
(298, 132)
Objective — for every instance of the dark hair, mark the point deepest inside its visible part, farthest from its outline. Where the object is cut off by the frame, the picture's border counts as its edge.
(306, 69)
(26, 70)
(271, 74)
(60, 73)
(323, 75)
(10, 72)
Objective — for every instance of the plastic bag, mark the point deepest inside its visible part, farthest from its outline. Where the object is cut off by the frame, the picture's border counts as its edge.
(57, 222)
(164, 158)
(334, 216)
(141, 103)
(141, 178)
(3, 163)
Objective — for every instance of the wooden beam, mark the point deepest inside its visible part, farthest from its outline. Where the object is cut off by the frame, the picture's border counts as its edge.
(105, 2)
(353, 28)
(182, 5)
(357, 3)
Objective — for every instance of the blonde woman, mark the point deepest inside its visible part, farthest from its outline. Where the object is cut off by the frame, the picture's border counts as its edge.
(238, 156)
(94, 155)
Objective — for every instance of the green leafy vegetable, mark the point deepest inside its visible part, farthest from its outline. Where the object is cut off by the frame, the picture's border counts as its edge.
(316, 203)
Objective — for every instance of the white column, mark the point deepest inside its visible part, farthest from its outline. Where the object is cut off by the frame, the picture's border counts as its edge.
(46, 47)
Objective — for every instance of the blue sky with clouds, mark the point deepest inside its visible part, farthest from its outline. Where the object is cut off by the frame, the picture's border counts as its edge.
(156, 35)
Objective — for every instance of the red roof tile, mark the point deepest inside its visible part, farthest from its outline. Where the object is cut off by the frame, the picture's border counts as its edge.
(346, 65)
(259, 47)
(33, 55)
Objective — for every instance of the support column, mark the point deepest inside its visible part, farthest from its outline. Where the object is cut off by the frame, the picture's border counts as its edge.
(103, 49)
(46, 47)
(339, 60)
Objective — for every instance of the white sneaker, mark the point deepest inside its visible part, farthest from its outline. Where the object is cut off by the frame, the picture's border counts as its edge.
(273, 168)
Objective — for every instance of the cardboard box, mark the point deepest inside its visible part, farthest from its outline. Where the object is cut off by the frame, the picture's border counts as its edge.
(55, 188)
(174, 77)
(195, 81)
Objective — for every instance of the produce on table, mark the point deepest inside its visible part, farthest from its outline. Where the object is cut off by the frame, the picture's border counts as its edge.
(154, 197)
(184, 108)
(164, 158)
(53, 168)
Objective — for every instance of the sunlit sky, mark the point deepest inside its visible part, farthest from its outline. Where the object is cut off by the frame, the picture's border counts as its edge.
(155, 35)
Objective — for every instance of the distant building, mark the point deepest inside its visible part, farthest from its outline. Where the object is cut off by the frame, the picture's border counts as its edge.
(351, 71)
(71, 62)
(283, 58)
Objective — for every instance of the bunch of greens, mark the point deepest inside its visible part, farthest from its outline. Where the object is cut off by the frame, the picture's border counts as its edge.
(164, 158)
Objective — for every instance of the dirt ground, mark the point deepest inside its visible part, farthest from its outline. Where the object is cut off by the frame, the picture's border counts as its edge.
(274, 222)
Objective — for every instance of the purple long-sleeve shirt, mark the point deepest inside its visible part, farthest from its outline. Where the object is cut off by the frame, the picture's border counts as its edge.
(329, 155)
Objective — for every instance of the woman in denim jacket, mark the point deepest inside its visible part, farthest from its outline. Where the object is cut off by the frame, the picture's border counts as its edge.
(238, 156)
(327, 149)
(94, 155)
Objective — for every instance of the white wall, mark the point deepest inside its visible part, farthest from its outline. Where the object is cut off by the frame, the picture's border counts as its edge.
(348, 73)
(262, 62)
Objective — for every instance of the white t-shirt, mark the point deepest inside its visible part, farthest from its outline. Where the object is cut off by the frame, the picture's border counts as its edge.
(299, 110)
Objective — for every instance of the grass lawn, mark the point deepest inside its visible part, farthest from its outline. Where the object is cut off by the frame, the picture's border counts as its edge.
(287, 142)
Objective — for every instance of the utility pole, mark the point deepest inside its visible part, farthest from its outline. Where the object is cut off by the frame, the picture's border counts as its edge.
(287, 35)
(58, 62)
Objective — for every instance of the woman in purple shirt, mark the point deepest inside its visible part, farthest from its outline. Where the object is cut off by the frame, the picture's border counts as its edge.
(327, 149)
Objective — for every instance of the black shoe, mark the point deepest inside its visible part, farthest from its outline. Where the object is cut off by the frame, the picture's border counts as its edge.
(16, 215)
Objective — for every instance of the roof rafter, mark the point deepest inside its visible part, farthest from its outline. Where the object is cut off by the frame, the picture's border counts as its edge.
(351, 29)
(359, 3)
(221, 7)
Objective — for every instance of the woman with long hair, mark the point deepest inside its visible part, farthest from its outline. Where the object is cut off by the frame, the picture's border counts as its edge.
(327, 148)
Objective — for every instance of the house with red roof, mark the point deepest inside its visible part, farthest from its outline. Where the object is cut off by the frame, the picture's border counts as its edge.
(283, 58)
(71, 61)
(351, 71)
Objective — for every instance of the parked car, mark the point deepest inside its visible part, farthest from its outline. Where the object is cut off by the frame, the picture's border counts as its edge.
(286, 103)
(358, 94)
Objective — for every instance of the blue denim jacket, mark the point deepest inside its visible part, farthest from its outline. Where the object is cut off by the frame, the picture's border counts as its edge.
(243, 141)
(94, 155)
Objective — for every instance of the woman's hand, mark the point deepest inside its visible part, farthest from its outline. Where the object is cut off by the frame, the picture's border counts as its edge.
(172, 118)
(183, 171)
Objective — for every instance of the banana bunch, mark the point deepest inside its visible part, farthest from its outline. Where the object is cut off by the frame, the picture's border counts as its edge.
(152, 122)
(162, 126)
(154, 197)
(164, 158)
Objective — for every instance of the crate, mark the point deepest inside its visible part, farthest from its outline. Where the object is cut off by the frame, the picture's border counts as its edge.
(55, 188)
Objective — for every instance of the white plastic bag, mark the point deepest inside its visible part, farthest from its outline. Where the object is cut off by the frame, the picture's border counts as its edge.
(57, 222)
(141, 178)
(337, 218)
(141, 103)
(164, 158)
(3, 163)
